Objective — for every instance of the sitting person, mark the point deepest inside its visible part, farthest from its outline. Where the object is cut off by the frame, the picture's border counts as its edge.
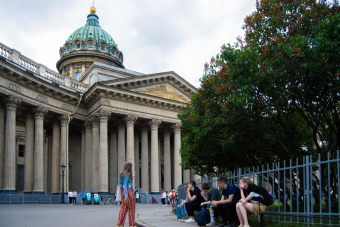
(195, 200)
(252, 201)
(227, 205)
(213, 195)
(181, 211)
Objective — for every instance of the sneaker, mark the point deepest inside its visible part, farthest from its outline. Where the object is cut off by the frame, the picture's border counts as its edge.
(190, 220)
(210, 224)
(183, 219)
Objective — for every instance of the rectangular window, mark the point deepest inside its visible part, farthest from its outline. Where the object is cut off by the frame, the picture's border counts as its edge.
(21, 150)
(77, 76)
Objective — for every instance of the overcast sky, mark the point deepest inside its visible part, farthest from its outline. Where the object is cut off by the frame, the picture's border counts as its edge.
(154, 35)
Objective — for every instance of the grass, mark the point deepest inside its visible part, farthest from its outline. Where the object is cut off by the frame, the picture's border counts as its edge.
(279, 221)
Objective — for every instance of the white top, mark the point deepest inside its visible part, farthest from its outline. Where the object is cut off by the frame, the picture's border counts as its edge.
(137, 195)
(163, 195)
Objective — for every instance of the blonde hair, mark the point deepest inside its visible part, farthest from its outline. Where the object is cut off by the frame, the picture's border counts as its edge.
(246, 180)
(127, 168)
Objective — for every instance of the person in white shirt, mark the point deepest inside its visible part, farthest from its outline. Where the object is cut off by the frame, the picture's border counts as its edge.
(163, 198)
(137, 197)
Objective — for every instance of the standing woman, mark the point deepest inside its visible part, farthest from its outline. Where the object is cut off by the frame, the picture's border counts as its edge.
(128, 198)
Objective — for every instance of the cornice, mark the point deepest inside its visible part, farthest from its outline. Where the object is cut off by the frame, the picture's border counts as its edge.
(149, 80)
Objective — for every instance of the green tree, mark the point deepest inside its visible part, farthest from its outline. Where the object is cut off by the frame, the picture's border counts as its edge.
(273, 96)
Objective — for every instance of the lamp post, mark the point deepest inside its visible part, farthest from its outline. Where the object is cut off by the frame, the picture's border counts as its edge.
(62, 188)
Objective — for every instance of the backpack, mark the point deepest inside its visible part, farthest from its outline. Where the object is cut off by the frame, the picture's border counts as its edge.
(203, 217)
(179, 212)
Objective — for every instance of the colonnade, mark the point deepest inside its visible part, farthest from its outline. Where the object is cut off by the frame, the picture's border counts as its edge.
(104, 150)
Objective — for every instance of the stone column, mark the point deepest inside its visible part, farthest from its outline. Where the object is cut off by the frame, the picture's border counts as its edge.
(56, 158)
(167, 161)
(82, 162)
(130, 155)
(39, 113)
(46, 165)
(10, 154)
(145, 159)
(95, 154)
(154, 124)
(2, 144)
(137, 177)
(186, 175)
(121, 146)
(103, 153)
(64, 121)
(113, 179)
(88, 154)
(177, 156)
(29, 150)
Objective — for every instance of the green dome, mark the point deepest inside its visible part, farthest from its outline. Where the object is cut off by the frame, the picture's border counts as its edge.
(92, 30)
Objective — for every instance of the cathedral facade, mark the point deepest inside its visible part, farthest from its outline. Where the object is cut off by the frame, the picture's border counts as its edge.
(92, 116)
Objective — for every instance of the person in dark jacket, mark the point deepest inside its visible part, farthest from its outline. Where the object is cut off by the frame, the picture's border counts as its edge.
(252, 201)
(213, 195)
(195, 200)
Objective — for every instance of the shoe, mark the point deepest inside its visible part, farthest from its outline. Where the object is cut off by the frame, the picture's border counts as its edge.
(210, 224)
(241, 226)
(183, 219)
(190, 220)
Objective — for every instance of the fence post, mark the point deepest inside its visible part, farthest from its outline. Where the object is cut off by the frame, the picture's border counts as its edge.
(308, 190)
(23, 198)
(239, 175)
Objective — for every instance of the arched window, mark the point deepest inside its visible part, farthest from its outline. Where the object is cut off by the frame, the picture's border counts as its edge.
(112, 51)
(68, 48)
(78, 45)
(90, 45)
(102, 47)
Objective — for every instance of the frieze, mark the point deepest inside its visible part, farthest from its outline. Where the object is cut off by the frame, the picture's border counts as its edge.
(14, 87)
(67, 107)
(42, 98)
(104, 102)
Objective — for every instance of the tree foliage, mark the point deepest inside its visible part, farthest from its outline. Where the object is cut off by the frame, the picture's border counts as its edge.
(273, 95)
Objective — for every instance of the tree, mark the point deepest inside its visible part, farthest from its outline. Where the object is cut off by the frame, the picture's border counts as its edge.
(272, 96)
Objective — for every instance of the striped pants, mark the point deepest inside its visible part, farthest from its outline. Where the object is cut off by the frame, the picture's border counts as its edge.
(129, 207)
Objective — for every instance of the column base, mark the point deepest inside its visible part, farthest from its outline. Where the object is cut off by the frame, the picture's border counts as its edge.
(9, 191)
(55, 193)
(155, 193)
(38, 193)
(27, 192)
(104, 193)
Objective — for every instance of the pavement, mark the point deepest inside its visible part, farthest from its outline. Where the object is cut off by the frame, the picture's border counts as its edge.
(56, 215)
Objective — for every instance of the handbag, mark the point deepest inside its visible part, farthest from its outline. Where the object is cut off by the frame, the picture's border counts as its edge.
(118, 194)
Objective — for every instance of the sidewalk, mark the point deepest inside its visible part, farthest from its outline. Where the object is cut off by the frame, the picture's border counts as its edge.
(156, 215)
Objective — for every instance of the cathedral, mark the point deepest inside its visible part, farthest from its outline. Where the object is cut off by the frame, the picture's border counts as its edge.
(91, 116)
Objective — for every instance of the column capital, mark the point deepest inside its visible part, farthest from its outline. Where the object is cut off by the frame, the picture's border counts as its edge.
(176, 127)
(95, 121)
(88, 125)
(12, 102)
(167, 131)
(154, 123)
(39, 111)
(64, 119)
(104, 115)
(130, 119)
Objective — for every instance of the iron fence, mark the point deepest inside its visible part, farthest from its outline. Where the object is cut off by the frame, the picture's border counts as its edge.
(31, 199)
(304, 190)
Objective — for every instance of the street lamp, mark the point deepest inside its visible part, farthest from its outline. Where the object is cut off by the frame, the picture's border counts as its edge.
(63, 175)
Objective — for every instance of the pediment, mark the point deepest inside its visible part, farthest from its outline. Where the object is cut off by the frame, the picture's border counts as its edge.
(165, 91)
(167, 85)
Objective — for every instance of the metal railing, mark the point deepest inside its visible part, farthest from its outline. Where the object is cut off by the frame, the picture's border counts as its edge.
(304, 190)
(31, 199)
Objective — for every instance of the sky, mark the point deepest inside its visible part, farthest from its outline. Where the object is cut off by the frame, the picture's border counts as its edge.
(154, 35)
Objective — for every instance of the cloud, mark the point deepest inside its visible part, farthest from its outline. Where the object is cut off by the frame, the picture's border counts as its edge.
(155, 36)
